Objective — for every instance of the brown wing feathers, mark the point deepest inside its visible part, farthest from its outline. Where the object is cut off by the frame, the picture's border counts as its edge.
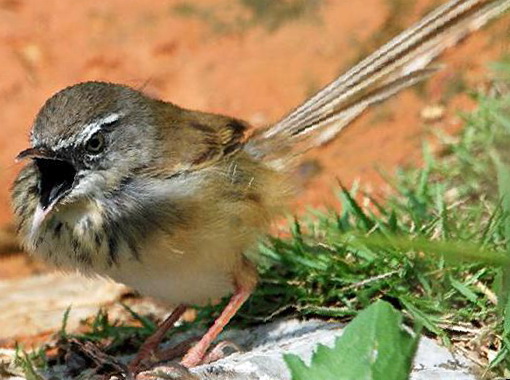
(197, 139)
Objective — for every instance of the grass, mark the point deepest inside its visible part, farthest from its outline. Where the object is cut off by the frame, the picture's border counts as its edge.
(437, 248)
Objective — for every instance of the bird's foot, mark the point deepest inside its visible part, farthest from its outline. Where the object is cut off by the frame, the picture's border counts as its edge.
(146, 353)
(162, 356)
(171, 372)
(220, 351)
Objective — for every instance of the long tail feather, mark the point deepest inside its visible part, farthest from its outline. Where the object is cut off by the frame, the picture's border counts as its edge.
(400, 63)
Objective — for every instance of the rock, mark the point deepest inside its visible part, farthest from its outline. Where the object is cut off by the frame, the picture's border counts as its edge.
(36, 305)
(265, 346)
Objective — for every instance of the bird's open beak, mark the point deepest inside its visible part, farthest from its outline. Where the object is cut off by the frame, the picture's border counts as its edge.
(56, 178)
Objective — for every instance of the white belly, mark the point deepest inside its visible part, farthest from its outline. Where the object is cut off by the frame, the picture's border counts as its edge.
(174, 280)
(188, 267)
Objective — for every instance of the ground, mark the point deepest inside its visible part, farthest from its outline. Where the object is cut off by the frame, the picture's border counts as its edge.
(250, 59)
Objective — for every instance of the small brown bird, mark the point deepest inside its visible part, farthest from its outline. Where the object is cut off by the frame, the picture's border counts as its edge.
(169, 200)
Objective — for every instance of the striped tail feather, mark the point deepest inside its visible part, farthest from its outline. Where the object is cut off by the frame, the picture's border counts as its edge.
(400, 63)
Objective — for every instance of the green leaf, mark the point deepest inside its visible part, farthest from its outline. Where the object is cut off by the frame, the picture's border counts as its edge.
(421, 317)
(453, 251)
(374, 346)
(146, 322)
(357, 210)
(464, 290)
(63, 330)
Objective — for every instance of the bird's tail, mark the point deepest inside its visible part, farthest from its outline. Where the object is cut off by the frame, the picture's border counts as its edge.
(400, 63)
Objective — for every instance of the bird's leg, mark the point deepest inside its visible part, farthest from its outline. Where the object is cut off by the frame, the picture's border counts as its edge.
(195, 355)
(152, 342)
(177, 351)
(245, 283)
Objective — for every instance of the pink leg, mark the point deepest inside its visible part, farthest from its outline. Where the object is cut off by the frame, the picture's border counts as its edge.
(197, 352)
(152, 342)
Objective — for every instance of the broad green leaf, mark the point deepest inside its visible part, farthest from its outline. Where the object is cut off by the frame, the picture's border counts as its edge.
(374, 346)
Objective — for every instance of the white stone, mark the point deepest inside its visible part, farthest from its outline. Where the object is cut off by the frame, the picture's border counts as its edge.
(266, 344)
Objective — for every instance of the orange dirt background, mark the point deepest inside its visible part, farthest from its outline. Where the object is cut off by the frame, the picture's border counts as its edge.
(230, 57)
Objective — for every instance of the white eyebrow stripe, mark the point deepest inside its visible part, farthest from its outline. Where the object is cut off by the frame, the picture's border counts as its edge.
(64, 143)
(88, 131)
(95, 126)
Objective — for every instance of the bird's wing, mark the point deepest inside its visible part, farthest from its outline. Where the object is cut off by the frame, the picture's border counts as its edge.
(191, 140)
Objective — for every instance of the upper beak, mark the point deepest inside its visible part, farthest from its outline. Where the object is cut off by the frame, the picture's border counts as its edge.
(35, 153)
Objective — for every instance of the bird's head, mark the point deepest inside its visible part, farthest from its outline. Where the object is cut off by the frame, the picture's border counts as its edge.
(87, 138)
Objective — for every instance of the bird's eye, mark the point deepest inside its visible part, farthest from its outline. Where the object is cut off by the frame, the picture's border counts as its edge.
(95, 144)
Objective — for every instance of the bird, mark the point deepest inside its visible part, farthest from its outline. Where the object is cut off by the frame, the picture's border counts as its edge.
(172, 201)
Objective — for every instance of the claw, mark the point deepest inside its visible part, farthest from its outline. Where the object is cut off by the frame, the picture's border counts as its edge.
(220, 351)
(174, 372)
